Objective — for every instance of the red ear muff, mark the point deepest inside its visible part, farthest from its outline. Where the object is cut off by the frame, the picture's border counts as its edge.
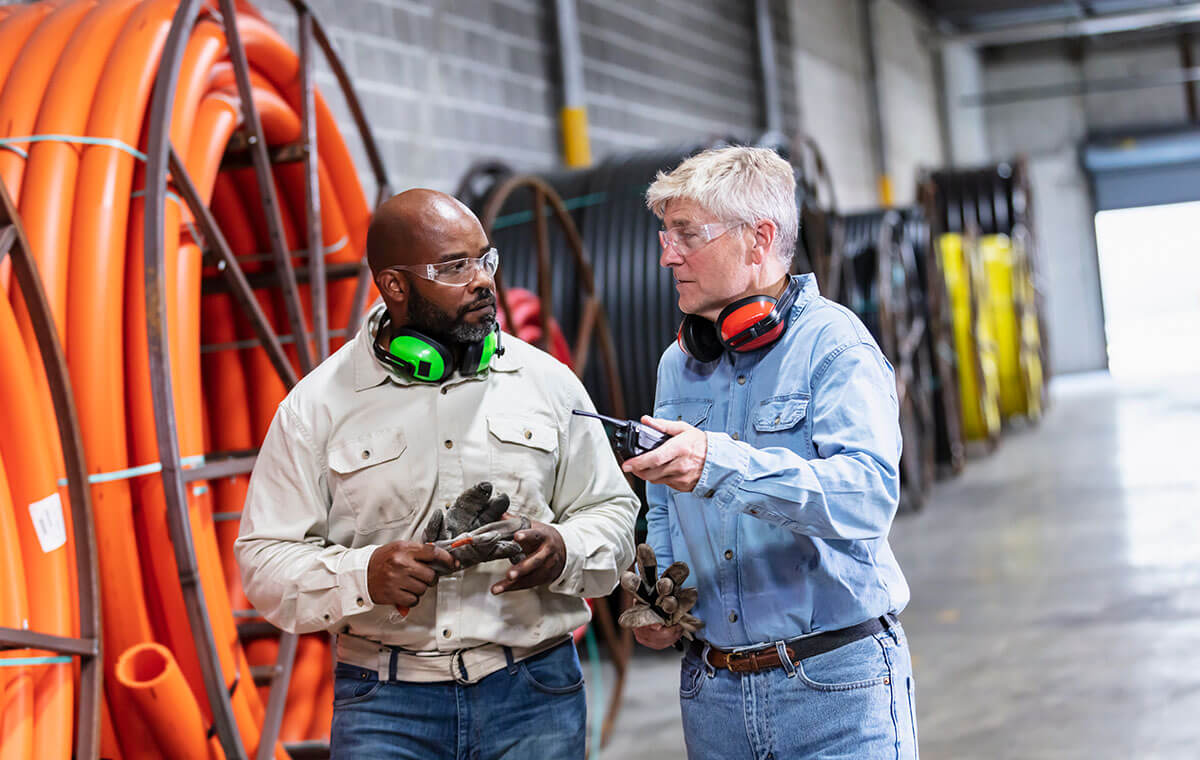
(737, 322)
(755, 321)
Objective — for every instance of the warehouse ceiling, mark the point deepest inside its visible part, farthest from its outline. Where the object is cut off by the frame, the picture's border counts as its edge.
(969, 16)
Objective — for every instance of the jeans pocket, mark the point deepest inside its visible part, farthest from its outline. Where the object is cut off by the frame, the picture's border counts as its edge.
(691, 678)
(554, 672)
(858, 665)
(352, 684)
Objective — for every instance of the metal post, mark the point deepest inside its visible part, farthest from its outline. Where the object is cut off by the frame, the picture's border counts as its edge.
(768, 68)
(874, 106)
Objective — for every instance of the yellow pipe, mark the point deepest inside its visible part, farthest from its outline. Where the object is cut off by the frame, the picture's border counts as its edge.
(577, 149)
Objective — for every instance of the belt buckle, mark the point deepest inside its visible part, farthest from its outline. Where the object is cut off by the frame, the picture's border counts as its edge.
(741, 662)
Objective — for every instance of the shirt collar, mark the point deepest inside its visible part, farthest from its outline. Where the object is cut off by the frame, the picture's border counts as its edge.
(370, 372)
(808, 291)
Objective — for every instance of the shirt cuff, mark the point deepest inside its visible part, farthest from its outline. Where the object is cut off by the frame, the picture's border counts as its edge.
(725, 463)
(353, 592)
(570, 580)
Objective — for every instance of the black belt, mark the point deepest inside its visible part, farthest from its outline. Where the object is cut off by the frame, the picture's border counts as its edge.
(767, 657)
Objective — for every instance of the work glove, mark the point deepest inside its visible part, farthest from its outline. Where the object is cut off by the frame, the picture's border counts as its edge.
(659, 599)
(471, 529)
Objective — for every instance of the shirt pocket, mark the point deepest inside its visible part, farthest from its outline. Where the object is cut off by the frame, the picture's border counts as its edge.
(693, 411)
(779, 421)
(370, 474)
(524, 456)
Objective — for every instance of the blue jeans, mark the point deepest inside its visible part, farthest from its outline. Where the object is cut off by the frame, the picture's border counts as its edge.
(855, 702)
(535, 708)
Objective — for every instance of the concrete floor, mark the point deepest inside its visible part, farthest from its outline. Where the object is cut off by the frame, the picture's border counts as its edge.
(1056, 591)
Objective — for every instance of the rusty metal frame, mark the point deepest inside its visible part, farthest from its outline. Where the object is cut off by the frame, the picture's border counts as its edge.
(165, 171)
(88, 645)
(593, 323)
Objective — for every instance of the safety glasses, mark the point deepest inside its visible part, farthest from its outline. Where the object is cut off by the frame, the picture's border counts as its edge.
(457, 272)
(691, 238)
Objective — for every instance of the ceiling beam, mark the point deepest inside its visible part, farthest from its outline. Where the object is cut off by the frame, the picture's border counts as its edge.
(1092, 26)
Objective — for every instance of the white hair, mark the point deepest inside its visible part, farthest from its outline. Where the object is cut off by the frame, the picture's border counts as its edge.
(737, 184)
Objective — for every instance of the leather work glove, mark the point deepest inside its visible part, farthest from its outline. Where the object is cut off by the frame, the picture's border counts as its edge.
(471, 529)
(659, 599)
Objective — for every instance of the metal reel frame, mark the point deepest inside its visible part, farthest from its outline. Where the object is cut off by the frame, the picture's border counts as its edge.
(165, 172)
(87, 646)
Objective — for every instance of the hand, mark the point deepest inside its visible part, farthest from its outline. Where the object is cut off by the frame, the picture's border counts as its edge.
(657, 635)
(399, 573)
(678, 462)
(470, 530)
(659, 601)
(545, 558)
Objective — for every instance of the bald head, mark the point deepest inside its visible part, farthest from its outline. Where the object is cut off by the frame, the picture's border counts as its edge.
(419, 226)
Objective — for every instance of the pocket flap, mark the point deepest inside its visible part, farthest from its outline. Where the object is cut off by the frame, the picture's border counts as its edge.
(366, 450)
(693, 411)
(780, 413)
(522, 433)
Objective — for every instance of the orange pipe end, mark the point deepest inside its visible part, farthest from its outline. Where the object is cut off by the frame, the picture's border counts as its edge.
(153, 680)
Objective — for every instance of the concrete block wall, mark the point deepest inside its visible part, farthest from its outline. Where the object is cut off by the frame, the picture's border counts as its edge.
(446, 83)
(831, 74)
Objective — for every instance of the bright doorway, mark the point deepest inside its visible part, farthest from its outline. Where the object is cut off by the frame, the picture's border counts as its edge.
(1150, 278)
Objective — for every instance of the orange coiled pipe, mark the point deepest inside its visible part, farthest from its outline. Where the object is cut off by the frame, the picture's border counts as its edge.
(77, 76)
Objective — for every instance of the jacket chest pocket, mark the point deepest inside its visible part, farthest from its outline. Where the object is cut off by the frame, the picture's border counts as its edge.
(779, 421)
(377, 478)
(524, 458)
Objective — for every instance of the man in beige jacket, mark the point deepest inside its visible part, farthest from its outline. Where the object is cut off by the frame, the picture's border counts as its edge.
(438, 658)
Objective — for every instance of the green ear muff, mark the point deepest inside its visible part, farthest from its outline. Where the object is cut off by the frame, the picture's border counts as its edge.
(427, 359)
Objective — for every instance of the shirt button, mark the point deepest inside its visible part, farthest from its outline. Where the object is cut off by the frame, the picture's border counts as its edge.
(777, 418)
(734, 436)
(360, 601)
(366, 454)
(326, 616)
(710, 493)
(729, 554)
(446, 633)
(445, 390)
(753, 511)
(741, 379)
(449, 444)
(733, 617)
(528, 435)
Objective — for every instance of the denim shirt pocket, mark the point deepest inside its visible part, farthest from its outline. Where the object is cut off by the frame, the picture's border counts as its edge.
(693, 411)
(780, 420)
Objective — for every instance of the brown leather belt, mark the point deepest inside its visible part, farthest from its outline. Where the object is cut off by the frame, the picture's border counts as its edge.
(767, 657)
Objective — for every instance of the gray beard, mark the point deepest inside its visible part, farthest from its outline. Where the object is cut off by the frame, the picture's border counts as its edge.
(423, 315)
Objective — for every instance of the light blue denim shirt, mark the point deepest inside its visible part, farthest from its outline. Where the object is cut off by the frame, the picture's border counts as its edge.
(786, 531)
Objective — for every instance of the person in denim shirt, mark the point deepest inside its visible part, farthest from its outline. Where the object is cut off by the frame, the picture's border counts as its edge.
(778, 486)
